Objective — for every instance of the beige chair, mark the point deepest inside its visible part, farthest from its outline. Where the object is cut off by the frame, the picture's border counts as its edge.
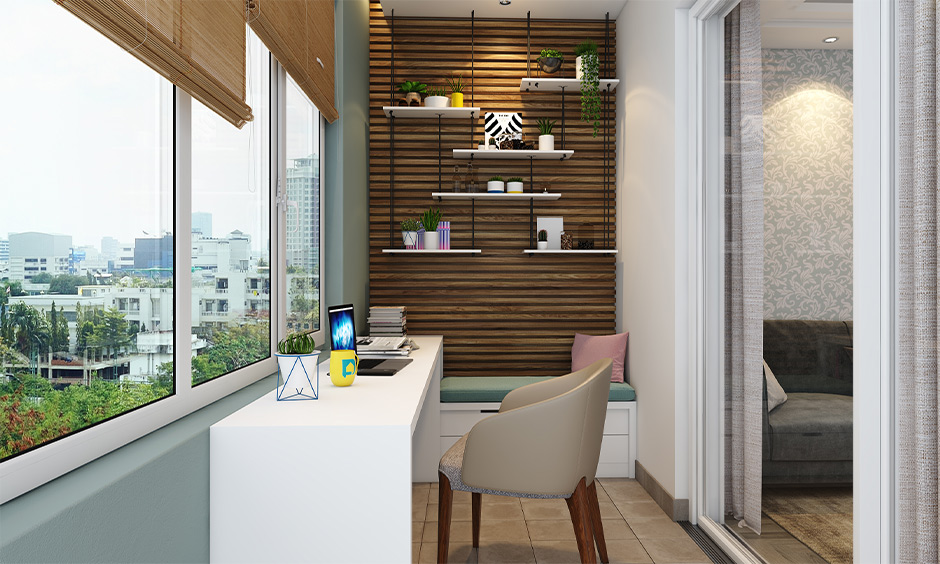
(544, 443)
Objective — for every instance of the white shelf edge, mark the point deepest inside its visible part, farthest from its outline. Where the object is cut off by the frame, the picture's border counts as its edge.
(432, 252)
(510, 154)
(555, 84)
(496, 196)
(572, 251)
(424, 112)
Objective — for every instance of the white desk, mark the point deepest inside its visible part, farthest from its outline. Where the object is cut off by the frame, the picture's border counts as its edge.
(327, 480)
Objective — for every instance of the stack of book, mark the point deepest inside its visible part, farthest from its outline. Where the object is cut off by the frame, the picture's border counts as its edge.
(387, 321)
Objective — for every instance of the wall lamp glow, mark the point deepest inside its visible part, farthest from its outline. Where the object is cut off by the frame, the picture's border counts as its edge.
(830, 40)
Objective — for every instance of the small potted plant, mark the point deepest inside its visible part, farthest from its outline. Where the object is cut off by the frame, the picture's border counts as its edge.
(456, 89)
(296, 363)
(436, 98)
(409, 233)
(550, 61)
(492, 145)
(514, 185)
(587, 72)
(546, 139)
(542, 243)
(412, 90)
(429, 221)
(496, 184)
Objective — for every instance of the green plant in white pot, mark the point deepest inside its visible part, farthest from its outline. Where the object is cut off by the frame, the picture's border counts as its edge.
(297, 368)
(409, 233)
(546, 139)
(495, 184)
(429, 220)
(436, 98)
(587, 66)
(514, 185)
(542, 243)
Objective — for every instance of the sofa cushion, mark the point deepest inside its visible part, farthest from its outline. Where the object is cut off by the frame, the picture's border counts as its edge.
(809, 356)
(492, 389)
(812, 426)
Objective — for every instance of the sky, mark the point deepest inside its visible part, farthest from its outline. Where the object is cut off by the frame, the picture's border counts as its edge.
(88, 154)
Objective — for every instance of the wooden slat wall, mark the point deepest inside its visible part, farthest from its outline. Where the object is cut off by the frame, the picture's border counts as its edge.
(501, 312)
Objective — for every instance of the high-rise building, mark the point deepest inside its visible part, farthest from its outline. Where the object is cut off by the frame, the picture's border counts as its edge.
(32, 253)
(153, 252)
(202, 223)
(4, 251)
(303, 225)
(110, 248)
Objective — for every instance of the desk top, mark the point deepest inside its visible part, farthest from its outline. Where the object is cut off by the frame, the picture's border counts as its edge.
(371, 401)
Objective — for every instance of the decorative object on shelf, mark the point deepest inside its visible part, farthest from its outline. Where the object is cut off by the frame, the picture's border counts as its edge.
(495, 184)
(500, 125)
(586, 236)
(588, 68)
(473, 186)
(546, 139)
(542, 243)
(550, 60)
(296, 362)
(413, 91)
(514, 185)
(436, 98)
(456, 184)
(443, 235)
(565, 241)
(546, 187)
(554, 226)
(456, 91)
(344, 365)
(409, 233)
(429, 221)
(420, 239)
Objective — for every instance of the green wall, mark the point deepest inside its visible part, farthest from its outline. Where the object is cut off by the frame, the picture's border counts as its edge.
(149, 501)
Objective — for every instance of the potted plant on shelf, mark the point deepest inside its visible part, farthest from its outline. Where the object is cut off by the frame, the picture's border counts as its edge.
(429, 221)
(409, 233)
(496, 184)
(412, 90)
(550, 61)
(542, 243)
(587, 72)
(514, 185)
(436, 98)
(456, 89)
(296, 363)
(546, 139)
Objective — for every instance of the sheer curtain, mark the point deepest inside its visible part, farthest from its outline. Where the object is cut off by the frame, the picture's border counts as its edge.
(744, 264)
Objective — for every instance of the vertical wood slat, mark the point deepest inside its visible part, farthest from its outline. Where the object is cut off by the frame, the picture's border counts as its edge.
(501, 312)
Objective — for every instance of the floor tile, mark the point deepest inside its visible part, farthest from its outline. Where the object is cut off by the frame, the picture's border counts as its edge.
(556, 552)
(624, 490)
(417, 530)
(556, 509)
(551, 530)
(418, 510)
(457, 552)
(640, 509)
(502, 511)
(513, 530)
(460, 531)
(415, 551)
(627, 552)
(616, 529)
(505, 552)
(458, 512)
(656, 528)
(674, 550)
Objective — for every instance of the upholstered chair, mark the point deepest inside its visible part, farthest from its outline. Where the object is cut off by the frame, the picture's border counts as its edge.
(544, 443)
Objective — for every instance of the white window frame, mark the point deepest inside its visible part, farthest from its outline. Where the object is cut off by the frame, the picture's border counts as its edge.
(34, 468)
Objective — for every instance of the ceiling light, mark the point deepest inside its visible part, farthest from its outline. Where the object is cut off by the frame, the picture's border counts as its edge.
(505, 2)
(830, 39)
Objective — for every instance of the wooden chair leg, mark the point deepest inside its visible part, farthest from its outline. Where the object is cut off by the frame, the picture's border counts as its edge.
(580, 518)
(477, 501)
(445, 498)
(596, 523)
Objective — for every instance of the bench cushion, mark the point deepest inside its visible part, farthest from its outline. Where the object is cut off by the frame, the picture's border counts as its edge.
(492, 389)
(812, 427)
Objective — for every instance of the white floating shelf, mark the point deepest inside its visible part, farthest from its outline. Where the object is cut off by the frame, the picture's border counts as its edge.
(424, 112)
(559, 84)
(432, 252)
(571, 252)
(513, 154)
(495, 196)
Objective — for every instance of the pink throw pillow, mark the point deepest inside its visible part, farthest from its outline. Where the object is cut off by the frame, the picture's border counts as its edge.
(588, 349)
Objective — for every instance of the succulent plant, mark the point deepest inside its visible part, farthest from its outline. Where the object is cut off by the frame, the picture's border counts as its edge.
(297, 343)
(430, 219)
(515, 179)
(412, 86)
(410, 224)
(546, 53)
(496, 179)
(545, 126)
(543, 235)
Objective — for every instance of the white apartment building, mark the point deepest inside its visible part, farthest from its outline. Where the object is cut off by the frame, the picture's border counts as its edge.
(153, 349)
(303, 227)
(32, 253)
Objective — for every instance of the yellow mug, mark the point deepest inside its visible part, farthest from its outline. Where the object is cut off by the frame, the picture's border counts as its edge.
(343, 367)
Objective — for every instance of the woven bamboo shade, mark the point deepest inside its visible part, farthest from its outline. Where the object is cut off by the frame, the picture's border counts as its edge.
(300, 35)
(198, 45)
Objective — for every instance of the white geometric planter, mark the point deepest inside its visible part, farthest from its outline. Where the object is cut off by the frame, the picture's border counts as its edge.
(410, 239)
(298, 376)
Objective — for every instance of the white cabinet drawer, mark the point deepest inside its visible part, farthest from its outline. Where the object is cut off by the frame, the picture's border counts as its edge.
(615, 449)
(617, 422)
(459, 423)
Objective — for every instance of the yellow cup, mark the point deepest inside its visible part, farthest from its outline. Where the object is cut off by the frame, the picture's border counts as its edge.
(343, 367)
(456, 99)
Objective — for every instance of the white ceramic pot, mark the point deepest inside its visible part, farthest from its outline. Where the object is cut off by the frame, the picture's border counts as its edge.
(546, 142)
(481, 147)
(431, 241)
(410, 239)
(541, 245)
(495, 186)
(514, 187)
(436, 101)
(577, 68)
(298, 376)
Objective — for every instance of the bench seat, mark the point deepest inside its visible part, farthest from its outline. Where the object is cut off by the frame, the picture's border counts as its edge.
(492, 389)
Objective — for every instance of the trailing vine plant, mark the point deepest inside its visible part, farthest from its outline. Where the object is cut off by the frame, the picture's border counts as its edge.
(590, 83)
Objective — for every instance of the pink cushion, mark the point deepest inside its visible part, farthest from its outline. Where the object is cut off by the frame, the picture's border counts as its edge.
(588, 349)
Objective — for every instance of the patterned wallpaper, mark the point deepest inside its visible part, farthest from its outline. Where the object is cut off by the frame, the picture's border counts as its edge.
(807, 184)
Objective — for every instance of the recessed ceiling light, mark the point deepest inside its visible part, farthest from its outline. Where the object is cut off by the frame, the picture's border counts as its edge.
(830, 39)
(505, 2)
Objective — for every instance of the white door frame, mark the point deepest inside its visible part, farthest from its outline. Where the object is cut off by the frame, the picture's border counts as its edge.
(699, 249)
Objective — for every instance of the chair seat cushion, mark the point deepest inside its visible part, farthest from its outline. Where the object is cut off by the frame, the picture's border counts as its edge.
(812, 426)
(492, 389)
(452, 467)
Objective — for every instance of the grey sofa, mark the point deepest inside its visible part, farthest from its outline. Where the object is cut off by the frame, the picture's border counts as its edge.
(808, 439)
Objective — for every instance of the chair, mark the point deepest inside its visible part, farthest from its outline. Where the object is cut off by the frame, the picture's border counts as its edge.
(544, 443)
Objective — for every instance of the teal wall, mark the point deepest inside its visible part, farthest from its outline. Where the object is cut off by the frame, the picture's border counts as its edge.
(149, 501)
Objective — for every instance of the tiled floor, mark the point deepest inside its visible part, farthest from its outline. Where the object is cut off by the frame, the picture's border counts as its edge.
(538, 530)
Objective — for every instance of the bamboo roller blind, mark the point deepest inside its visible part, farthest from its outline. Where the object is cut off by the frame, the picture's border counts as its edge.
(501, 312)
(198, 45)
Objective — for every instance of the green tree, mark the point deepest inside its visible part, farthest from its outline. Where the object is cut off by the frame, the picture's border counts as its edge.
(58, 329)
(42, 278)
(29, 328)
(111, 331)
(66, 284)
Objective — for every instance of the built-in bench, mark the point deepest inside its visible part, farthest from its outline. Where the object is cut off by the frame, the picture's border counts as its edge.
(468, 399)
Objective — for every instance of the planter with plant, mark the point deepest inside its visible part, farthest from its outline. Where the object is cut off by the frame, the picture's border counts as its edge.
(550, 61)
(296, 364)
(546, 139)
(496, 184)
(587, 73)
(436, 98)
(514, 185)
(542, 243)
(412, 90)
(409, 233)
(456, 91)
(429, 221)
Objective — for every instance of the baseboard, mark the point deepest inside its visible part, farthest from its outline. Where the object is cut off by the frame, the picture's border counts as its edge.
(678, 509)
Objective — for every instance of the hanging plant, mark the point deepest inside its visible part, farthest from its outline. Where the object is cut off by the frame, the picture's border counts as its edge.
(590, 84)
